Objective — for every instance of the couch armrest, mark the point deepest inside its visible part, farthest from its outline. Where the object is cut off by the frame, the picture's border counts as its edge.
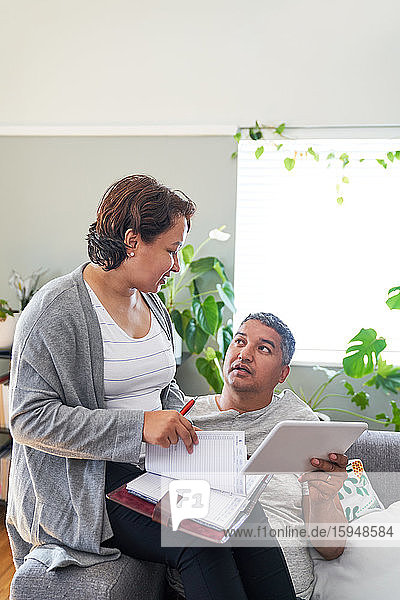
(380, 454)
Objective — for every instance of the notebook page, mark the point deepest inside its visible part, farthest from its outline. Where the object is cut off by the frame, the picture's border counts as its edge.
(252, 482)
(149, 486)
(218, 458)
(223, 509)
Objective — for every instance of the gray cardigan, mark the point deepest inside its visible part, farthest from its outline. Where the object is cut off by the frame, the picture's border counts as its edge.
(62, 432)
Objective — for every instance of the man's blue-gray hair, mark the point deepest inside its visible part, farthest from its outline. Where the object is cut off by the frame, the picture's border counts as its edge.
(287, 340)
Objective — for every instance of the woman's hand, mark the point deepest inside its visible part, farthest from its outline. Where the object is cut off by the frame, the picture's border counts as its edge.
(165, 427)
(325, 483)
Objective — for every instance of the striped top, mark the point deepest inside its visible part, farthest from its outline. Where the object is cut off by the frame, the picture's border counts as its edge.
(135, 369)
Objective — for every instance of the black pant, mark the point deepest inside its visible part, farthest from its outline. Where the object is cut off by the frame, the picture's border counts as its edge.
(207, 573)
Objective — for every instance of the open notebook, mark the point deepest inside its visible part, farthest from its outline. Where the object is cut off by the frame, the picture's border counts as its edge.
(218, 458)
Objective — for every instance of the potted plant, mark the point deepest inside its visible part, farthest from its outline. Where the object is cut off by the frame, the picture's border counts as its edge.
(7, 325)
(25, 288)
(196, 299)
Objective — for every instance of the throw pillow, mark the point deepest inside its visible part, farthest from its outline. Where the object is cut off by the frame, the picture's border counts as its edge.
(368, 567)
(357, 495)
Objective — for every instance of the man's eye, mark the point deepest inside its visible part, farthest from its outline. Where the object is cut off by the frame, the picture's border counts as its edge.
(266, 348)
(239, 341)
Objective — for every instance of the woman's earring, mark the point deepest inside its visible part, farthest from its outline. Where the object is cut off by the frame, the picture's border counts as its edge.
(132, 254)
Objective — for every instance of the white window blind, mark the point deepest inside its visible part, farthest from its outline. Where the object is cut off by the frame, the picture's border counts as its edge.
(323, 268)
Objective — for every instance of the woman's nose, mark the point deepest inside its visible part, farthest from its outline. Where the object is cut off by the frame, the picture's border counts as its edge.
(176, 266)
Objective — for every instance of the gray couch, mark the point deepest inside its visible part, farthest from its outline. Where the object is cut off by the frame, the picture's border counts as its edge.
(130, 579)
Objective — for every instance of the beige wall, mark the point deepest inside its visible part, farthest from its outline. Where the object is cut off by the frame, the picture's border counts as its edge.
(50, 188)
(119, 62)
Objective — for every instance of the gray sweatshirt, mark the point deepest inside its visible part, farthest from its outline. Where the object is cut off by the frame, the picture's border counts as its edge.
(62, 432)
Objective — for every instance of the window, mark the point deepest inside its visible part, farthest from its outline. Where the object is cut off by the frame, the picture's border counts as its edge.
(323, 268)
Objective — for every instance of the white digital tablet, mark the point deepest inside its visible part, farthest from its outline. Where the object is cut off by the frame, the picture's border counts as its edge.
(290, 445)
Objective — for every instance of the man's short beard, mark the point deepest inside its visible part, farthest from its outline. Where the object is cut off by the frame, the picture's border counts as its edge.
(242, 386)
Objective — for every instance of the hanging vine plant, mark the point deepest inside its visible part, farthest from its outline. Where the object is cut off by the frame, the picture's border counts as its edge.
(256, 133)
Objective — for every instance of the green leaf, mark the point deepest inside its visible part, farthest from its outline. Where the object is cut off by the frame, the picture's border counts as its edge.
(339, 200)
(280, 128)
(203, 265)
(390, 156)
(238, 136)
(210, 371)
(195, 337)
(345, 158)
(234, 154)
(361, 399)
(278, 146)
(176, 318)
(382, 417)
(394, 301)
(330, 155)
(225, 335)
(337, 188)
(210, 353)
(397, 154)
(345, 179)
(349, 388)
(259, 152)
(220, 269)
(313, 153)
(362, 357)
(362, 159)
(206, 314)
(186, 317)
(220, 306)
(396, 415)
(207, 264)
(196, 301)
(255, 133)
(387, 377)
(289, 163)
(187, 254)
(162, 296)
(227, 295)
(382, 162)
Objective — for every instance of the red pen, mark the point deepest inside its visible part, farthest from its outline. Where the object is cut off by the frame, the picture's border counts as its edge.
(188, 406)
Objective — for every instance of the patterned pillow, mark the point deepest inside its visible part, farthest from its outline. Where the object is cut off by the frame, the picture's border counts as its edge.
(357, 495)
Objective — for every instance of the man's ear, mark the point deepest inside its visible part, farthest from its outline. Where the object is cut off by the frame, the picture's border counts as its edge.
(284, 373)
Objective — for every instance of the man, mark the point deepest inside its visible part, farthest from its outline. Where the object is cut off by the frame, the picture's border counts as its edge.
(256, 361)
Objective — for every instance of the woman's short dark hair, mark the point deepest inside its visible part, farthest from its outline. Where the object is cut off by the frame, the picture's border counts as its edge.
(136, 202)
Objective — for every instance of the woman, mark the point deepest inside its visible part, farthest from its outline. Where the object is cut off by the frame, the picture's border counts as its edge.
(92, 378)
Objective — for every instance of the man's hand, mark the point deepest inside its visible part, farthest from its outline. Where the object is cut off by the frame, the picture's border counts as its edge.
(325, 483)
(165, 427)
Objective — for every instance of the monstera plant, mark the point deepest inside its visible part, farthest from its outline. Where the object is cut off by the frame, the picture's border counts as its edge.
(200, 301)
(363, 357)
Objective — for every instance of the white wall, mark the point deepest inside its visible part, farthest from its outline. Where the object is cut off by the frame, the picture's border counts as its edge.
(122, 62)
